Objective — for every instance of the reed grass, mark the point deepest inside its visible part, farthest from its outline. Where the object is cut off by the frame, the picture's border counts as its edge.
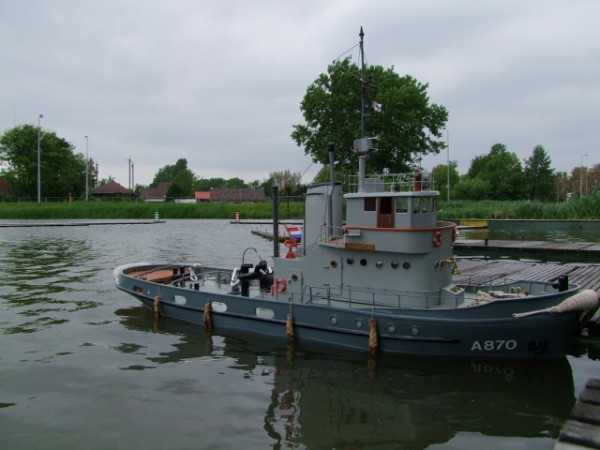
(587, 208)
(141, 210)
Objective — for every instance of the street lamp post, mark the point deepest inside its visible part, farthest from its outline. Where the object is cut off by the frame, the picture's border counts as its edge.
(448, 164)
(39, 177)
(581, 176)
(87, 165)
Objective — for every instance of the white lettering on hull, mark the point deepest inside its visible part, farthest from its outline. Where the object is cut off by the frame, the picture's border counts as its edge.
(494, 345)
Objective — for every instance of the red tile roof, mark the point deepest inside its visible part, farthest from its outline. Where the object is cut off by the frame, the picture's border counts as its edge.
(111, 188)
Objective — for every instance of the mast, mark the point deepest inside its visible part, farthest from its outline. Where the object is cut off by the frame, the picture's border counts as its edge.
(363, 145)
(362, 83)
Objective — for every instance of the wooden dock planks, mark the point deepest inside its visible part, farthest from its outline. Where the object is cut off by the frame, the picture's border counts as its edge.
(585, 248)
(488, 270)
(582, 430)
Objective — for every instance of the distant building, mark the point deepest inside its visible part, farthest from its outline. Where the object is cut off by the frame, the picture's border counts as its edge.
(233, 195)
(5, 188)
(112, 189)
(157, 194)
(202, 196)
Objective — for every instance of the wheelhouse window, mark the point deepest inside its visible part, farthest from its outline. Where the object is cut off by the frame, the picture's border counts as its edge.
(401, 204)
(423, 204)
(370, 204)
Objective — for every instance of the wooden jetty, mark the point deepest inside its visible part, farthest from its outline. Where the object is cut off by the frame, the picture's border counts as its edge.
(582, 429)
(586, 249)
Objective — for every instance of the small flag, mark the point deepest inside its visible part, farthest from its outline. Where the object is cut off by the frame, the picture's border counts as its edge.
(294, 232)
(377, 106)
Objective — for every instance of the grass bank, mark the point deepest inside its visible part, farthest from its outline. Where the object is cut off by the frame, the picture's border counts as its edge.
(141, 210)
(587, 208)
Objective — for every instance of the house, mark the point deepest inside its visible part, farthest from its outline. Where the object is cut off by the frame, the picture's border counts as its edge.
(233, 195)
(202, 196)
(112, 189)
(5, 188)
(157, 194)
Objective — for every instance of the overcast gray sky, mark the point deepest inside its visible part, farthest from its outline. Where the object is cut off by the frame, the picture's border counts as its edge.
(220, 82)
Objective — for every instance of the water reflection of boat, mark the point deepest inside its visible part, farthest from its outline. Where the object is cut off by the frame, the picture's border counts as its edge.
(325, 400)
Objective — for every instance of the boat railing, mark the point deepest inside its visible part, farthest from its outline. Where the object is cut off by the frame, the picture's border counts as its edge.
(194, 280)
(475, 283)
(397, 182)
(359, 298)
(327, 234)
(332, 235)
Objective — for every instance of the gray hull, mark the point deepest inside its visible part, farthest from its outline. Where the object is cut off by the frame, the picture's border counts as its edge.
(488, 330)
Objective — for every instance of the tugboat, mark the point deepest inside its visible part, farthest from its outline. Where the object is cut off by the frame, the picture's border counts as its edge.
(380, 283)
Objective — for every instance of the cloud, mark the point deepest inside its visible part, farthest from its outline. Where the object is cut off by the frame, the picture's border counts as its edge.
(220, 83)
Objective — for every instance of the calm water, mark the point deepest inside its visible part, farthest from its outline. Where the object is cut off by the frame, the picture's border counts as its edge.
(82, 365)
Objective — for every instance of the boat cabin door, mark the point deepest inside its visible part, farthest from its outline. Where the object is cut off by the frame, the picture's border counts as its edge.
(385, 212)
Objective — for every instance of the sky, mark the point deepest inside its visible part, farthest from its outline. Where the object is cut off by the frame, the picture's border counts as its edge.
(220, 82)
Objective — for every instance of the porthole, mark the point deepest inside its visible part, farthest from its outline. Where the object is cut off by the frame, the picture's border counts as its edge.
(333, 319)
(391, 328)
(333, 263)
(406, 265)
(358, 323)
(218, 307)
(379, 264)
(395, 264)
(179, 299)
(363, 262)
(437, 266)
(414, 330)
(295, 277)
(264, 313)
(350, 261)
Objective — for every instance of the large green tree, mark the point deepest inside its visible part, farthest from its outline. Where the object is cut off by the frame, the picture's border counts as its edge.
(62, 171)
(540, 182)
(407, 126)
(168, 172)
(440, 177)
(496, 176)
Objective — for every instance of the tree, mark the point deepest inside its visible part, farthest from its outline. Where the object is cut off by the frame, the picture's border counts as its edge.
(182, 185)
(440, 177)
(235, 183)
(473, 189)
(408, 125)
(62, 171)
(540, 182)
(498, 174)
(287, 181)
(168, 172)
